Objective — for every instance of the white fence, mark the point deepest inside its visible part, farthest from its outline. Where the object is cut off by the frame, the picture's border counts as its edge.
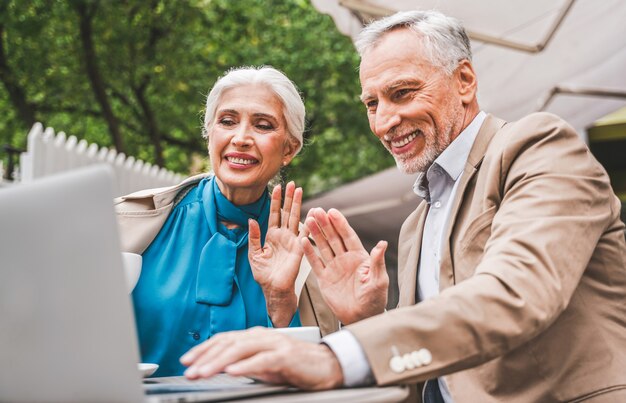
(3, 183)
(48, 153)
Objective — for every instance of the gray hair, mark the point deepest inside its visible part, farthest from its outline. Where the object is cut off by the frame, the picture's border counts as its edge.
(276, 81)
(444, 38)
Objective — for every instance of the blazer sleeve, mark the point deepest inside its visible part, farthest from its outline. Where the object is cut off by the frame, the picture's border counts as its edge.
(313, 309)
(551, 204)
(141, 215)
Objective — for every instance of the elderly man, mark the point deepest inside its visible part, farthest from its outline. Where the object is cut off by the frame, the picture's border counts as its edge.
(516, 257)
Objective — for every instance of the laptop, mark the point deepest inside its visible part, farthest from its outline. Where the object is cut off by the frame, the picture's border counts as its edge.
(67, 331)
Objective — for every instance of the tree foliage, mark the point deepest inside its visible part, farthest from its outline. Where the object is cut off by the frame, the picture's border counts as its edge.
(133, 75)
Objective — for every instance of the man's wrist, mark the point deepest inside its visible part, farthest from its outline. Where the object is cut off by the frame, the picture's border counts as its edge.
(354, 364)
(336, 377)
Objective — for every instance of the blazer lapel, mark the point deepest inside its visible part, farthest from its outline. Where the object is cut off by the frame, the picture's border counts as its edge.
(407, 275)
(488, 129)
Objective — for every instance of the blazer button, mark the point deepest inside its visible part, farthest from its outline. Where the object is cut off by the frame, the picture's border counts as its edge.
(408, 362)
(415, 357)
(396, 364)
(425, 356)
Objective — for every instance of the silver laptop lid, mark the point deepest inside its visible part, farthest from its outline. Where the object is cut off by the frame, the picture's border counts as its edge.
(66, 327)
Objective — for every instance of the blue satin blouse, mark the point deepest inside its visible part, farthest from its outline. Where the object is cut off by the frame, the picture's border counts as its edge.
(196, 280)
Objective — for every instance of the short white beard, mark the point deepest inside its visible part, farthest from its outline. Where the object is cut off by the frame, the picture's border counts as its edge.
(434, 145)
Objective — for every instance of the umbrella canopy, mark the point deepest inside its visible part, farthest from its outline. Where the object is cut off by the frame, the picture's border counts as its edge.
(566, 57)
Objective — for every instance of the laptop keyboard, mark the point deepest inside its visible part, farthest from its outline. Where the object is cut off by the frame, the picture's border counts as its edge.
(219, 379)
(180, 384)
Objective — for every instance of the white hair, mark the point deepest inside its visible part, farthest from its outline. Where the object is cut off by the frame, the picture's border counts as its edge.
(444, 38)
(276, 81)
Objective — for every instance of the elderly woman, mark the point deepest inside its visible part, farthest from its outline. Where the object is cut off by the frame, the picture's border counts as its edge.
(218, 251)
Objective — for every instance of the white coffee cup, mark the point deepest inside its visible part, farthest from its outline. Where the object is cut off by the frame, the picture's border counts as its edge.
(304, 333)
(132, 269)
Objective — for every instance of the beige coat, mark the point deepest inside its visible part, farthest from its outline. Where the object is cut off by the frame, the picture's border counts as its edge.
(533, 279)
(141, 215)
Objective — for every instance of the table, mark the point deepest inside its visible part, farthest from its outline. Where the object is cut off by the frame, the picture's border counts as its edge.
(388, 394)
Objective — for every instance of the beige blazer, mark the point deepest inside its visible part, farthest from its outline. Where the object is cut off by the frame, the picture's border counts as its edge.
(141, 215)
(533, 279)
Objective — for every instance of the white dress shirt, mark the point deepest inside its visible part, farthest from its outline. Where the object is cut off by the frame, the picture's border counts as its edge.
(443, 179)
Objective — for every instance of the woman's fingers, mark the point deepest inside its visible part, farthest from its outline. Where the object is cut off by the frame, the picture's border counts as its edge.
(275, 213)
(254, 237)
(294, 212)
(289, 215)
(289, 191)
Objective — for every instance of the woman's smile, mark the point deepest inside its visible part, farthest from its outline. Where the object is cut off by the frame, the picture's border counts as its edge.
(240, 160)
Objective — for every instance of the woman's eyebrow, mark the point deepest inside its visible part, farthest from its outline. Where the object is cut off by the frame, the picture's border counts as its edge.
(231, 111)
(264, 115)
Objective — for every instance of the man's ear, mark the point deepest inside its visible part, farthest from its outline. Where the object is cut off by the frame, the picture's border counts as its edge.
(468, 83)
(290, 150)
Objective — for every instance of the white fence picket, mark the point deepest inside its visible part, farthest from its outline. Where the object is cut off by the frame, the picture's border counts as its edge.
(48, 153)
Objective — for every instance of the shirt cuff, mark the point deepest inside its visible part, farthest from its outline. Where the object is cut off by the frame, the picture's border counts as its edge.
(356, 369)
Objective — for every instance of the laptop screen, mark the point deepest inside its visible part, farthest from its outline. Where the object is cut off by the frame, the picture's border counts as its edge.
(67, 324)
(67, 330)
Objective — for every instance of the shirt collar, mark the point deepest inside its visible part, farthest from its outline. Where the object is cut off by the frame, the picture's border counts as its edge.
(453, 159)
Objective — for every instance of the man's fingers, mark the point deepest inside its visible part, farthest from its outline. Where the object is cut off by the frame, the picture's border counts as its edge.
(274, 219)
(254, 237)
(310, 213)
(264, 365)
(274, 379)
(378, 258)
(192, 355)
(208, 352)
(326, 252)
(342, 227)
(333, 238)
(229, 348)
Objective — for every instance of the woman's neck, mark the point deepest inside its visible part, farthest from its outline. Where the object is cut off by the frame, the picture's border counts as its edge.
(240, 196)
(230, 225)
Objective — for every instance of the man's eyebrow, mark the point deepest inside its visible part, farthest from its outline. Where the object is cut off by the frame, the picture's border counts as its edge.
(390, 88)
(365, 96)
(399, 83)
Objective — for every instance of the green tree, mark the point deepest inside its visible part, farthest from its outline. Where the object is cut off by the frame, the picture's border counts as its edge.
(133, 75)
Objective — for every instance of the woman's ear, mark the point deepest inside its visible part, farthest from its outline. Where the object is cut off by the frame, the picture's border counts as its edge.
(290, 150)
(467, 81)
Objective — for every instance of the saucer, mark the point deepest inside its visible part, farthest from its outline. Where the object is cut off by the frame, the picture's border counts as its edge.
(147, 369)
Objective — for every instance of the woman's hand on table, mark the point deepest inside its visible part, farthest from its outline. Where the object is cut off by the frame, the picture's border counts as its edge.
(276, 264)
